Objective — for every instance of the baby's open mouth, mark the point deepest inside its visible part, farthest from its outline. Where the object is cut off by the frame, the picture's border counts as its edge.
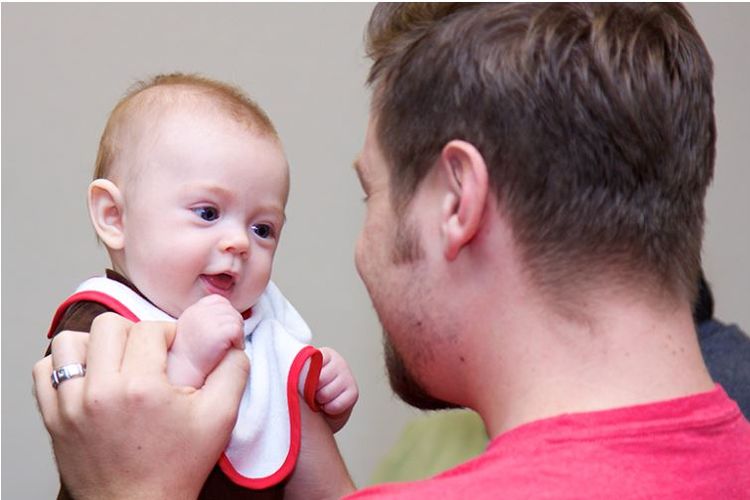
(220, 282)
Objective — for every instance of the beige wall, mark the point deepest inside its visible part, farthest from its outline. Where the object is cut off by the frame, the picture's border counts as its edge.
(726, 251)
(64, 66)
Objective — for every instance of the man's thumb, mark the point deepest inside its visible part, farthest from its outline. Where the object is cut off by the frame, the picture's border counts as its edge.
(222, 391)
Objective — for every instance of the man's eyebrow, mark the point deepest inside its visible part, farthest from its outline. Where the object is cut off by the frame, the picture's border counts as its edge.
(357, 165)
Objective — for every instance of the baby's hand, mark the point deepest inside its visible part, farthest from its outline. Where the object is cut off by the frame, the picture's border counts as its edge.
(205, 332)
(337, 390)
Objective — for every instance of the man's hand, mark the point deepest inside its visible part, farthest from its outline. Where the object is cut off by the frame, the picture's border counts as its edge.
(122, 430)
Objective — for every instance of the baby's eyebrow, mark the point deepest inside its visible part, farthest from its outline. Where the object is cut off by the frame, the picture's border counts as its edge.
(209, 187)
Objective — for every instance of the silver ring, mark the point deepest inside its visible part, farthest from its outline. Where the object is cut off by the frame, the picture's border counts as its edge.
(67, 372)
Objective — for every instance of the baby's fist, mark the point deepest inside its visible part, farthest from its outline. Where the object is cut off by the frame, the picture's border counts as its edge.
(337, 390)
(212, 321)
(205, 332)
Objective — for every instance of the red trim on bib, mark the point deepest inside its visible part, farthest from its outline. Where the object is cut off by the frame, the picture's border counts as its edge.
(313, 377)
(90, 296)
(292, 394)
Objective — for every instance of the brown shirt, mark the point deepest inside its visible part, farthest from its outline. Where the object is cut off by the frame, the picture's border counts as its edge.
(218, 486)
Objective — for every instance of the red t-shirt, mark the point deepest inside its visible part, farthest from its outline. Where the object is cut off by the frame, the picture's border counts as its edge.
(696, 447)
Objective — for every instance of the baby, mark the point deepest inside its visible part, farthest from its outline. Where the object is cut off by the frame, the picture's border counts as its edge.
(188, 197)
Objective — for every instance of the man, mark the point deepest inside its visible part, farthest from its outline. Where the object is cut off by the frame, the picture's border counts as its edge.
(438, 441)
(535, 177)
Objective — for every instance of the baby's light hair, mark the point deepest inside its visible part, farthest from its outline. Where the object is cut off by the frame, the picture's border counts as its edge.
(140, 98)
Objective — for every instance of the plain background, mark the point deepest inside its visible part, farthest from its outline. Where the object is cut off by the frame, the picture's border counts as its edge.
(65, 65)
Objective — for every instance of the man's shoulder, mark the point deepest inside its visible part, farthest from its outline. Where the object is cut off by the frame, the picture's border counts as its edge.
(481, 477)
(551, 457)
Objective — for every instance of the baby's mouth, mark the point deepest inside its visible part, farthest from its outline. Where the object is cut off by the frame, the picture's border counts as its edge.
(222, 282)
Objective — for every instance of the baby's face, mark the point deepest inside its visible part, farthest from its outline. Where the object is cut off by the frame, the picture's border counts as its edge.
(205, 211)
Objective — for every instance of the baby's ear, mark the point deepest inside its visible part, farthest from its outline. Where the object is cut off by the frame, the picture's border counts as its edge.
(106, 212)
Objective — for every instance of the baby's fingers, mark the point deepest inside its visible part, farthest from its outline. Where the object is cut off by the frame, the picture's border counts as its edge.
(342, 403)
(329, 391)
(230, 329)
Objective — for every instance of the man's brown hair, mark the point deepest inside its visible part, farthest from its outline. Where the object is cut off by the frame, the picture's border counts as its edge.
(143, 98)
(595, 120)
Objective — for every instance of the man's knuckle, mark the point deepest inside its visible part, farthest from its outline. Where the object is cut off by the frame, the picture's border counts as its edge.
(70, 413)
(40, 370)
(60, 337)
(96, 400)
(138, 393)
(105, 321)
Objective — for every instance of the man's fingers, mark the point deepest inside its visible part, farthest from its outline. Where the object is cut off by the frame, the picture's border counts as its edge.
(69, 348)
(109, 333)
(147, 346)
(224, 386)
(46, 396)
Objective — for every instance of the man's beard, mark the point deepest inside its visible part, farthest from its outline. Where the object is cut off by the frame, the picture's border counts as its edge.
(404, 384)
(407, 249)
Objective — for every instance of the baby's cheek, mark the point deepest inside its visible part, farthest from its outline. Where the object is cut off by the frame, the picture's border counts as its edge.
(258, 283)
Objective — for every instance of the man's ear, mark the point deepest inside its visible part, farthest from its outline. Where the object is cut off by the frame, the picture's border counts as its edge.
(465, 172)
(106, 212)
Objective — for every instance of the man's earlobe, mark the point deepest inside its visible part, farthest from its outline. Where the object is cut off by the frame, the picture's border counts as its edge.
(465, 172)
(106, 212)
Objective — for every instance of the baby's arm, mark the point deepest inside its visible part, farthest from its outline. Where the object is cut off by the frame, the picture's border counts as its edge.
(205, 332)
(337, 390)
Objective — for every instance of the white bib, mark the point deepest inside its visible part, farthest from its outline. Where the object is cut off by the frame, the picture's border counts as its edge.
(266, 438)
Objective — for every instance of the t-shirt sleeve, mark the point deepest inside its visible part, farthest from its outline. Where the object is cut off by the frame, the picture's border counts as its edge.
(79, 317)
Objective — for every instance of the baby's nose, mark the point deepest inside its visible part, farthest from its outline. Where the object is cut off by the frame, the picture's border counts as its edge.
(236, 242)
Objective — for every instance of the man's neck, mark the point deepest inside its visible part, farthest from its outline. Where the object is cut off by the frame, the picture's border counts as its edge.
(623, 352)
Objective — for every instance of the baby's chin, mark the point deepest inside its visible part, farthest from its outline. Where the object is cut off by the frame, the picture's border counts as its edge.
(243, 306)
(244, 310)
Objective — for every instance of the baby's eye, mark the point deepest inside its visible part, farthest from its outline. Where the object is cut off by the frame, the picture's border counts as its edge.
(207, 213)
(263, 230)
